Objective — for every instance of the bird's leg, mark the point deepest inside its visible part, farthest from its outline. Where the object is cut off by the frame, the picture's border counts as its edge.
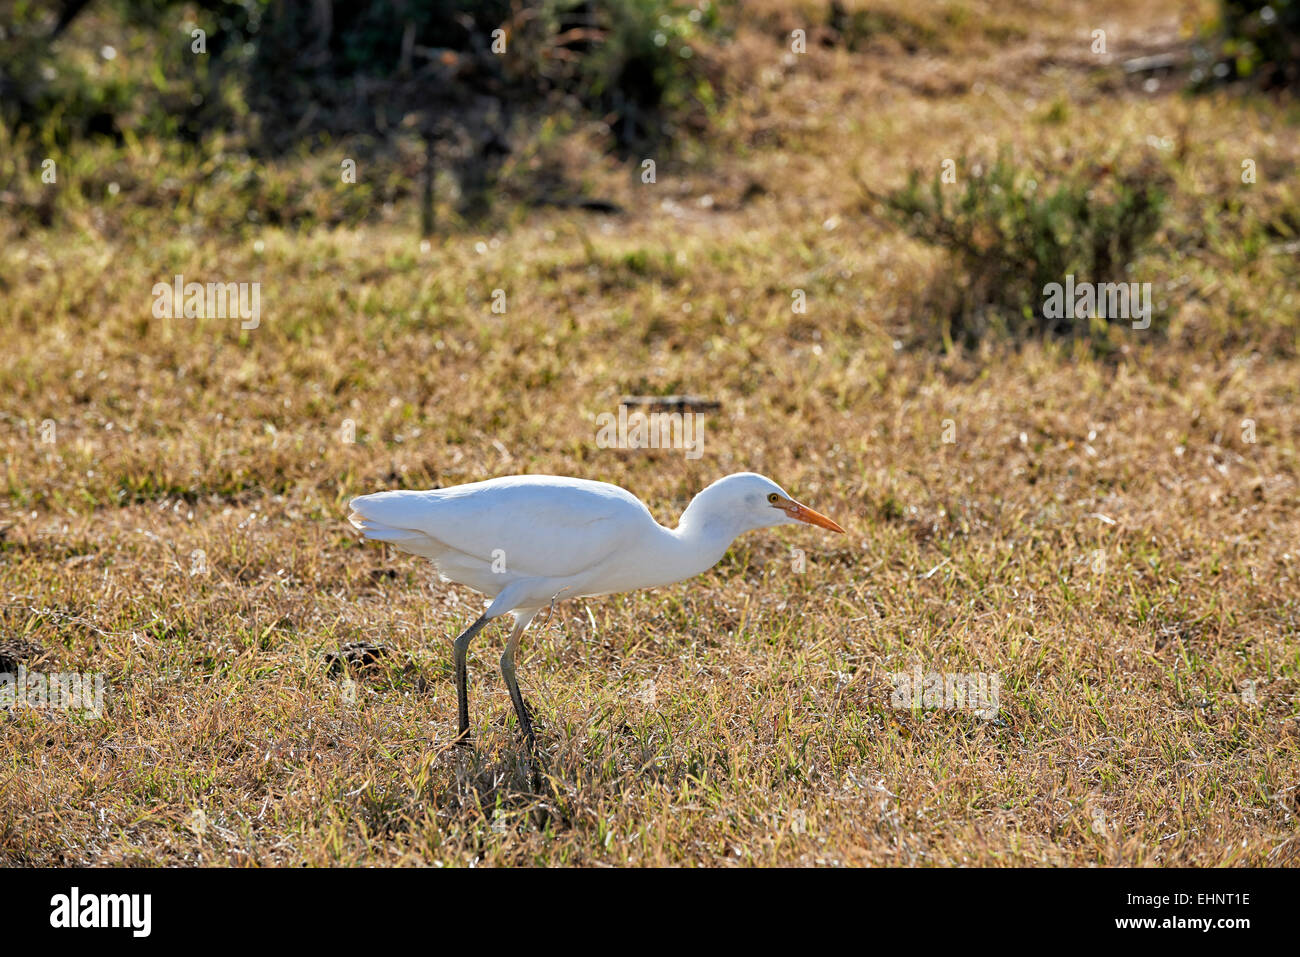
(461, 646)
(508, 672)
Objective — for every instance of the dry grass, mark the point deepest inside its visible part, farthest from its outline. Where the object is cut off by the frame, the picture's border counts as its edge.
(1101, 534)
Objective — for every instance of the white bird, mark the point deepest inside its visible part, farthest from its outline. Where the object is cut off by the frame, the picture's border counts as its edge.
(526, 541)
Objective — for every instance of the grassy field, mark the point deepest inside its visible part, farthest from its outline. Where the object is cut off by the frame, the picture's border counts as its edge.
(1107, 523)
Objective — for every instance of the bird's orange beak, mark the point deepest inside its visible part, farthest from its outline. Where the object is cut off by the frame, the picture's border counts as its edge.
(803, 513)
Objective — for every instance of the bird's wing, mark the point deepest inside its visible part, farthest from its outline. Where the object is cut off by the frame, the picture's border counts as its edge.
(527, 524)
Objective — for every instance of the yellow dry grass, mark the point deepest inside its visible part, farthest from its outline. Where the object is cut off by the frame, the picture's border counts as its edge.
(1112, 533)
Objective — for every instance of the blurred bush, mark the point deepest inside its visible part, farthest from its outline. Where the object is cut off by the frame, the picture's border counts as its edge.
(1258, 40)
(389, 77)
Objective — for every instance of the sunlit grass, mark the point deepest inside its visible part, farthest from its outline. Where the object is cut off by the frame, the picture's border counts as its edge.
(1104, 531)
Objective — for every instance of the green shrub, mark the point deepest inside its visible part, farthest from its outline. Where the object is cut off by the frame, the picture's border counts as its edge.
(1012, 234)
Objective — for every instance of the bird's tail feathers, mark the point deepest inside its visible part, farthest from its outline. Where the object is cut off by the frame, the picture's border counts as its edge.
(376, 516)
(384, 533)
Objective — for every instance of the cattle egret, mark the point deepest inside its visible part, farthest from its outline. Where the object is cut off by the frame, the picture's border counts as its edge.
(526, 541)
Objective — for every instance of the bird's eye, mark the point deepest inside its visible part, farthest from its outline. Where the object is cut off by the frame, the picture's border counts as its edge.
(773, 498)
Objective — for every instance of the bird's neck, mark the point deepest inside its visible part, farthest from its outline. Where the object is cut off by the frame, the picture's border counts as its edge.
(701, 538)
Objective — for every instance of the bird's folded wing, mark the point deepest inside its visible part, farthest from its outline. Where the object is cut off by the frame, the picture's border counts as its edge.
(530, 530)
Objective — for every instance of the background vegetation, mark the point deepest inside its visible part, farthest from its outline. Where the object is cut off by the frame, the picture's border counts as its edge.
(1105, 517)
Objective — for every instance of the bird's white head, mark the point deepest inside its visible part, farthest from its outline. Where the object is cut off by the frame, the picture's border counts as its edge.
(746, 501)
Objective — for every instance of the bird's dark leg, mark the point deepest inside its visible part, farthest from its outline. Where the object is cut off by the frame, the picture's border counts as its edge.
(461, 646)
(508, 672)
